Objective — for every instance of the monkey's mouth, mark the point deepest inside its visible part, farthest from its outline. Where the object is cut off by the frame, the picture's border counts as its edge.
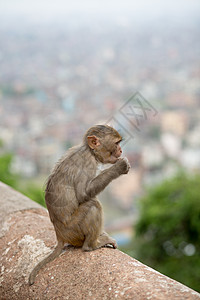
(113, 158)
(114, 154)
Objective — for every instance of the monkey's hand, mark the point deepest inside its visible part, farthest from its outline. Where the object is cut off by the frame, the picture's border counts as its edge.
(98, 184)
(122, 165)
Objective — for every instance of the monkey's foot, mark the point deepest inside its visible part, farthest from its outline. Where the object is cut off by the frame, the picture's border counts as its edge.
(112, 244)
(107, 241)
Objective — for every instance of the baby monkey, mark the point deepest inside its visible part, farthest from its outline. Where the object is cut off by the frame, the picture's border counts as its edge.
(72, 188)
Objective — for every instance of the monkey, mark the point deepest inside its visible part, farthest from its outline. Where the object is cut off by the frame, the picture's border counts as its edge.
(72, 189)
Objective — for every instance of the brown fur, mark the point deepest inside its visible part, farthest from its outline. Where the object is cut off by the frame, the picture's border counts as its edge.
(72, 188)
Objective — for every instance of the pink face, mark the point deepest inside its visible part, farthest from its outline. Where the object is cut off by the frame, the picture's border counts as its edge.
(116, 152)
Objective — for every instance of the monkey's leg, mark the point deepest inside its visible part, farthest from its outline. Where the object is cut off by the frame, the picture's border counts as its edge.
(94, 237)
(56, 252)
(85, 226)
(92, 226)
(103, 240)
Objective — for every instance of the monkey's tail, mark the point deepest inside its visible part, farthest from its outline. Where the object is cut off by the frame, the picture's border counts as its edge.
(56, 252)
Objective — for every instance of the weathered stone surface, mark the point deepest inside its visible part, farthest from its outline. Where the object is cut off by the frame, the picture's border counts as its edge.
(101, 274)
(11, 201)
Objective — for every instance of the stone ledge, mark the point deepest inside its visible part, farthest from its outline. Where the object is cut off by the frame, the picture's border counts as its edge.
(28, 235)
(11, 201)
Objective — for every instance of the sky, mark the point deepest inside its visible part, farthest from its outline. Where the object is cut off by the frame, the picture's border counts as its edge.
(50, 9)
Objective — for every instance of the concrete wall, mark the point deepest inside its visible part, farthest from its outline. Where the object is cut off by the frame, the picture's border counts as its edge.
(27, 236)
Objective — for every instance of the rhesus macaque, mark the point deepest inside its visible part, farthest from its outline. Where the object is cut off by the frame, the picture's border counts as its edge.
(72, 188)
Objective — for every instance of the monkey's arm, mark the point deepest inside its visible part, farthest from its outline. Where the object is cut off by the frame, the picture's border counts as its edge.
(87, 186)
(85, 190)
(99, 183)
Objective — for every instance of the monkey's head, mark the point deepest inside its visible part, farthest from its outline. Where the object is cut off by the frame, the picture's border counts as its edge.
(104, 142)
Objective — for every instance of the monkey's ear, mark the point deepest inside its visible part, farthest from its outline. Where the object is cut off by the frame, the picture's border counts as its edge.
(93, 141)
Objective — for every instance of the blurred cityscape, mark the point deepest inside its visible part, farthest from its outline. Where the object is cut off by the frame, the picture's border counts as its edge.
(58, 79)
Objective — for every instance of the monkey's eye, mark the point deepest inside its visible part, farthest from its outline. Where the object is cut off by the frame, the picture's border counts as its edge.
(117, 143)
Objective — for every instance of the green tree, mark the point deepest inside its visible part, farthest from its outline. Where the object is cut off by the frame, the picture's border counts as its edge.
(28, 188)
(6, 175)
(167, 234)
